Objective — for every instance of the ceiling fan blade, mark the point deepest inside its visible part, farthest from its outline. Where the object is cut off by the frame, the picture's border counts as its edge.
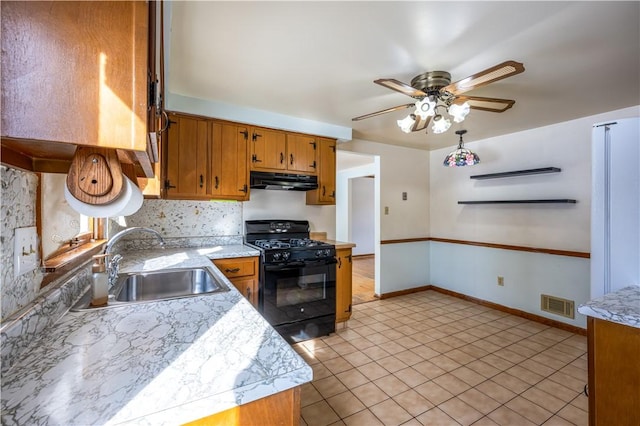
(486, 104)
(384, 111)
(420, 124)
(498, 72)
(401, 87)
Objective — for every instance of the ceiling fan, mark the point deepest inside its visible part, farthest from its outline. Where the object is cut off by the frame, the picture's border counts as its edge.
(434, 91)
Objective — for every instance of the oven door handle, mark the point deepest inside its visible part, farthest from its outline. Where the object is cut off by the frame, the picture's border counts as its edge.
(297, 265)
(285, 266)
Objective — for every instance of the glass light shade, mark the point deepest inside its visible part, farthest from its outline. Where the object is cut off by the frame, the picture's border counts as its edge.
(407, 123)
(459, 112)
(425, 108)
(461, 157)
(440, 125)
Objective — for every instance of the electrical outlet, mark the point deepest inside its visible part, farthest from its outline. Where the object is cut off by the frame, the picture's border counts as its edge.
(500, 280)
(404, 196)
(25, 250)
(386, 210)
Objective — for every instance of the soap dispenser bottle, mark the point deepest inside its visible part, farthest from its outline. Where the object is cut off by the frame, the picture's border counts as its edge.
(100, 283)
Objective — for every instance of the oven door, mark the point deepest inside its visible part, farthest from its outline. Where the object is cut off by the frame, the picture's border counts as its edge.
(299, 291)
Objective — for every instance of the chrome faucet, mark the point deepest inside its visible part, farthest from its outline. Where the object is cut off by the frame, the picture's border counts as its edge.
(113, 267)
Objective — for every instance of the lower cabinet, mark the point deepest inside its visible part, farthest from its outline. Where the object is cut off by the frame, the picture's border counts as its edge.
(243, 274)
(283, 408)
(344, 272)
(614, 373)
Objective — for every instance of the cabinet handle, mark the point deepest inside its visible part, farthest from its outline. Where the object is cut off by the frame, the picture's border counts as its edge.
(232, 271)
(281, 158)
(324, 190)
(339, 262)
(291, 159)
(243, 189)
(349, 257)
(333, 194)
(167, 185)
(313, 165)
(255, 136)
(254, 158)
(201, 181)
(245, 133)
(217, 182)
(249, 293)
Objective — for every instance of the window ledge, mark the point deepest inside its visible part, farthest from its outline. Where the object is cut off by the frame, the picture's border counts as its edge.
(59, 265)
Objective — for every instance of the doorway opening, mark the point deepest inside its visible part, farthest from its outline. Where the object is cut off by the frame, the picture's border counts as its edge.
(358, 219)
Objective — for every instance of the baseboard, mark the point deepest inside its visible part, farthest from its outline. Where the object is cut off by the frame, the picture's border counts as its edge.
(363, 256)
(403, 292)
(496, 306)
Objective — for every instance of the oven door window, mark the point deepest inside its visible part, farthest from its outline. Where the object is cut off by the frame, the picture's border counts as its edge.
(294, 293)
(301, 289)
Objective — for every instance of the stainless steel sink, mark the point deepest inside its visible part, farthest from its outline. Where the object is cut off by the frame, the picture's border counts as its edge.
(157, 285)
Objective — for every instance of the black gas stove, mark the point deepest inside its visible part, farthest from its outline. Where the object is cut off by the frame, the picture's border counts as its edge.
(294, 249)
(297, 278)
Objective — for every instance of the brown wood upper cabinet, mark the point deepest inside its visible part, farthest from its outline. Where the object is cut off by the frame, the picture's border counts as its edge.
(187, 150)
(326, 192)
(74, 73)
(206, 159)
(229, 161)
(277, 151)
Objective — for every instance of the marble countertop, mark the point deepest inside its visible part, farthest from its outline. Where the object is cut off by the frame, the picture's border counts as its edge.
(165, 362)
(622, 306)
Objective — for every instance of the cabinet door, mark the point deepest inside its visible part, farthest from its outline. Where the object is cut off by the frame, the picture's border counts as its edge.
(248, 287)
(326, 192)
(268, 149)
(243, 274)
(75, 72)
(614, 376)
(229, 161)
(343, 285)
(301, 153)
(187, 158)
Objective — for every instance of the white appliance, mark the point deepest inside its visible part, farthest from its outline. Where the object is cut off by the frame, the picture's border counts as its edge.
(615, 206)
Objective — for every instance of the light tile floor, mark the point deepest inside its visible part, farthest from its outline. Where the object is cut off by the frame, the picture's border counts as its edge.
(431, 359)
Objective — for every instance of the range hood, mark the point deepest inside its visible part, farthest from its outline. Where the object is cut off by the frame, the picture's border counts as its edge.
(283, 181)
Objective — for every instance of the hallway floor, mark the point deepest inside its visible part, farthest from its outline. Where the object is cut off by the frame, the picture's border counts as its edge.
(432, 359)
(363, 284)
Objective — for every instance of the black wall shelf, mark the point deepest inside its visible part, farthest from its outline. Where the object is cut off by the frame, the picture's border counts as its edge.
(517, 173)
(552, 201)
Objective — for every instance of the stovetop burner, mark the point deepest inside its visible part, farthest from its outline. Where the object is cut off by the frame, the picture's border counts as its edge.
(289, 243)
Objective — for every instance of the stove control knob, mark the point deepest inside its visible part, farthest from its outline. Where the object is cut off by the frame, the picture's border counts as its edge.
(276, 256)
(286, 255)
(327, 252)
(319, 253)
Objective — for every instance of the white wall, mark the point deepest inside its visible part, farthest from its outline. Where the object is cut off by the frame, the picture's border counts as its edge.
(362, 215)
(474, 270)
(274, 204)
(401, 170)
(400, 266)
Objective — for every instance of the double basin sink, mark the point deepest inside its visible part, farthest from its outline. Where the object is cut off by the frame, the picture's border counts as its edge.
(152, 286)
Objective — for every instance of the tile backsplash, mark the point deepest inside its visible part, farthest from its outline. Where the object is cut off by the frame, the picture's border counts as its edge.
(184, 223)
(19, 191)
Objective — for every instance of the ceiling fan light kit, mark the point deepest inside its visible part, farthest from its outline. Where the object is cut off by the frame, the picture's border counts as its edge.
(434, 90)
(461, 156)
(407, 123)
(440, 124)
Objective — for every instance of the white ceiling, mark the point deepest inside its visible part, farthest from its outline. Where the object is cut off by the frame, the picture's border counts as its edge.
(317, 60)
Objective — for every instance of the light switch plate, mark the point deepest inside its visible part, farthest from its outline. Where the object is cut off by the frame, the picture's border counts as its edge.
(25, 250)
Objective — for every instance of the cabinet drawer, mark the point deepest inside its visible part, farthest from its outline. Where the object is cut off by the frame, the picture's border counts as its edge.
(237, 267)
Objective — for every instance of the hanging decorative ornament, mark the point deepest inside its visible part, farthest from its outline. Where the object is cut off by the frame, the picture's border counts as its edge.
(461, 156)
